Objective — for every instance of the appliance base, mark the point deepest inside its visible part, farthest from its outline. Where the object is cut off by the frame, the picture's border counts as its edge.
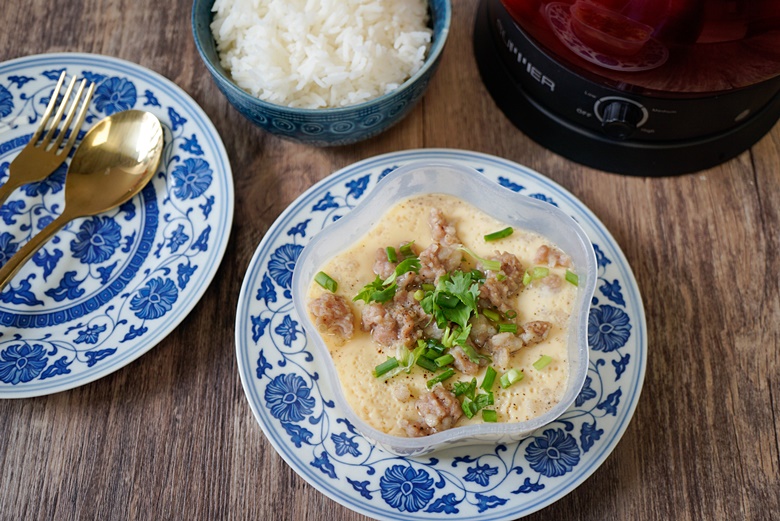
(596, 150)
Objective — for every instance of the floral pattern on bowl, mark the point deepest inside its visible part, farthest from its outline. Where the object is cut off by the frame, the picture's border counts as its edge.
(292, 398)
(106, 288)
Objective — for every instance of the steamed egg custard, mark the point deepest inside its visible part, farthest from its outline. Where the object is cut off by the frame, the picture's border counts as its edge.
(441, 316)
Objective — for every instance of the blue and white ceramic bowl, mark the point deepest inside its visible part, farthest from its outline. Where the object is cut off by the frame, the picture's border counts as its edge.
(324, 127)
(522, 212)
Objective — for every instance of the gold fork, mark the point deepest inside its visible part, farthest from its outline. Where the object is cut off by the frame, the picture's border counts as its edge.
(39, 159)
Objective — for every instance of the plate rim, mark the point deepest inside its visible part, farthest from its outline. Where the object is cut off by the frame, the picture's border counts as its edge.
(74, 59)
(438, 153)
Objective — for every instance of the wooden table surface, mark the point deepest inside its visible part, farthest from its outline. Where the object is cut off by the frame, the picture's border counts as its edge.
(171, 436)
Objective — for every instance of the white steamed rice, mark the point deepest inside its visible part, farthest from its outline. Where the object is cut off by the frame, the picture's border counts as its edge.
(321, 53)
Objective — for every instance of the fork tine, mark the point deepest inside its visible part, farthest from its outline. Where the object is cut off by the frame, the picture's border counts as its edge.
(80, 119)
(49, 108)
(71, 113)
(58, 116)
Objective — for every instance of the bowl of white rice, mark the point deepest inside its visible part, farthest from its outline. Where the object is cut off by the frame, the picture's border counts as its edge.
(322, 72)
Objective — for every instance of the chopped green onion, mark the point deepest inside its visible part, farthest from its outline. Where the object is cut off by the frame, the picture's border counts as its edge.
(448, 337)
(405, 362)
(428, 287)
(462, 337)
(391, 256)
(402, 353)
(490, 377)
(511, 314)
(444, 360)
(543, 362)
(435, 346)
(324, 280)
(427, 363)
(572, 278)
(419, 295)
(449, 373)
(507, 328)
(511, 377)
(386, 366)
(406, 359)
(469, 408)
(467, 388)
(406, 250)
(491, 315)
(506, 232)
(500, 277)
(492, 265)
(431, 354)
(489, 415)
(538, 272)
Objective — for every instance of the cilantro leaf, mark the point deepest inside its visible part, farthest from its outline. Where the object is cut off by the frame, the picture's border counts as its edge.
(383, 290)
(461, 286)
(459, 314)
(427, 303)
(483, 400)
(368, 289)
(384, 295)
(453, 300)
(471, 353)
(376, 292)
(406, 265)
(471, 405)
(406, 249)
(467, 388)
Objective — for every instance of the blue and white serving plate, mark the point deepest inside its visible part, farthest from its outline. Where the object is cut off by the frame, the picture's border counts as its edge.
(107, 288)
(292, 398)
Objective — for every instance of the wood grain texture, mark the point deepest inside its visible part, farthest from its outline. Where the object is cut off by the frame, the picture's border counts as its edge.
(171, 436)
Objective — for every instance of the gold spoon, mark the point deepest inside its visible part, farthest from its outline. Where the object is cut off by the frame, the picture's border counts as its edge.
(116, 159)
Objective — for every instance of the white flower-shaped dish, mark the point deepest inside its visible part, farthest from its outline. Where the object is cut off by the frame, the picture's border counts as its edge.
(516, 210)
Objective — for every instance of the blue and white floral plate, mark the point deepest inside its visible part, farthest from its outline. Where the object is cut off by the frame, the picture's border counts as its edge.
(108, 288)
(292, 398)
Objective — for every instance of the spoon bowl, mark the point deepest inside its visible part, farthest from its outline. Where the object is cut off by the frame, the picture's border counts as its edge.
(115, 160)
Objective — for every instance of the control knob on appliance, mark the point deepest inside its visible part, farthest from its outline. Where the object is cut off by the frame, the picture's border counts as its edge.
(620, 119)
